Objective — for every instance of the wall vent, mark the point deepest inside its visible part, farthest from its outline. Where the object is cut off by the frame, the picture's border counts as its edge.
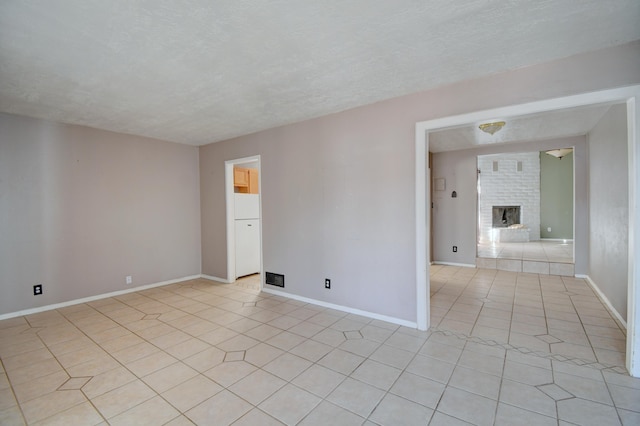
(274, 279)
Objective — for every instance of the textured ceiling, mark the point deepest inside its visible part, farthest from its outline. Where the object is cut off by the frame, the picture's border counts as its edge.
(532, 127)
(201, 71)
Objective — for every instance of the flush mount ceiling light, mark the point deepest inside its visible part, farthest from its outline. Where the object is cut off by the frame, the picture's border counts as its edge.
(493, 127)
(559, 153)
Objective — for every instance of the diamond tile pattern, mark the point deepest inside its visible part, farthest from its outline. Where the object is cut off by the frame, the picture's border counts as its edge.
(549, 339)
(74, 383)
(505, 348)
(555, 392)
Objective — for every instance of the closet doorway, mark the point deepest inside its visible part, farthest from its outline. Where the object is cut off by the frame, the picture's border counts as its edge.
(244, 220)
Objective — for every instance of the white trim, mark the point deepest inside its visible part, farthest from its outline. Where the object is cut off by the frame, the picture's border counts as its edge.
(604, 299)
(464, 265)
(633, 293)
(230, 203)
(92, 298)
(575, 197)
(231, 232)
(628, 94)
(604, 96)
(422, 245)
(347, 309)
(212, 278)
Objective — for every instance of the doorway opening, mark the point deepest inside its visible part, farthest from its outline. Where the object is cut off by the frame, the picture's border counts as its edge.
(629, 96)
(526, 212)
(244, 221)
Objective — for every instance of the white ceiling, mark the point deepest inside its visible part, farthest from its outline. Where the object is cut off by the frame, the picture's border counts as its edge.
(201, 71)
(533, 127)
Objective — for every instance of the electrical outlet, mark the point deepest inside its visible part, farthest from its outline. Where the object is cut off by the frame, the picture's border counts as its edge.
(129, 279)
(327, 283)
(37, 289)
(455, 249)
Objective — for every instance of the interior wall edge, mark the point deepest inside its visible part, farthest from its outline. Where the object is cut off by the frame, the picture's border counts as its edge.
(218, 279)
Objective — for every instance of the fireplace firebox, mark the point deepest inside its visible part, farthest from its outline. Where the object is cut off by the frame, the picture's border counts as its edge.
(505, 216)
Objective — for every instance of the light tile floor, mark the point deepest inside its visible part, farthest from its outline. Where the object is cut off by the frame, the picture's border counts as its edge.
(251, 282)
(505, 349)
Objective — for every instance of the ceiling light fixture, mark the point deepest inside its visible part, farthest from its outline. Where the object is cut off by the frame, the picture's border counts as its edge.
(559, 153)
(493, 127)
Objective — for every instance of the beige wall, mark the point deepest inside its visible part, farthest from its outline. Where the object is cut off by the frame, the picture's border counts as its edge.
(609, 207)
(338, 191)
(82, 208)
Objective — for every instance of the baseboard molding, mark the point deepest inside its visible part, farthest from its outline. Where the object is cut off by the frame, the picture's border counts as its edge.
(367, 314)
(347, 309)
(604, 299)
(464, 265)
(212, 278)
(93, 298)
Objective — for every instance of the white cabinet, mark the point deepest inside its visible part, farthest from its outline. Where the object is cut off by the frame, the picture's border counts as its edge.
(247, 247)
(247, 213)
(247, 206)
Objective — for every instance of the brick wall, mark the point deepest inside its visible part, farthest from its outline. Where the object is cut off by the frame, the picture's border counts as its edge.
(510, 187)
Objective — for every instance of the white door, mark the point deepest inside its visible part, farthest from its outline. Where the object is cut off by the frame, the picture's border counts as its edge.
(247, 247)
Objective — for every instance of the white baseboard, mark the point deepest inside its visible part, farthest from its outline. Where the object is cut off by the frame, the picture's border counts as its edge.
(603, 298)
(347, 309)
(212, 278)
(464, 265)
(92, 298)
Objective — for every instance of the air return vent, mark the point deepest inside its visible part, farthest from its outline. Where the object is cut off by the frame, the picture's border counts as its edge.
(274, 279)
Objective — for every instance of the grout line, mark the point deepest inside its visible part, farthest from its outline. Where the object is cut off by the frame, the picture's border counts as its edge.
(551, 356)
(15, 397)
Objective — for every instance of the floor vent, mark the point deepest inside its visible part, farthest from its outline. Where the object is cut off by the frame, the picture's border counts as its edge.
(274, 279)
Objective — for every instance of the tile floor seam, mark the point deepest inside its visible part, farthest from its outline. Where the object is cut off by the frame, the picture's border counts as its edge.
(582, 324)
(553, 378)
(544, 311)
(504, 364)
(525, 350)
(122, 365)
(388, 391)
(446, 385)
(615, 405)
(13, 393)
(456, 300)
(512, 310)
(90, 401)
(61, 367)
